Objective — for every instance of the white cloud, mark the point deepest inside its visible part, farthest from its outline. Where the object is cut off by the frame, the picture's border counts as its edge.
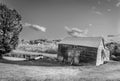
(35, 27)
(118, 4)
(90, 25)
(40, 28)
(108, 10)
(75, 32)
(93, 8)
(98, 12)
(99, 2)
(118, 35)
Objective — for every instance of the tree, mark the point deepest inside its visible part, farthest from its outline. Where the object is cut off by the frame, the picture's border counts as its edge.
(10, 27)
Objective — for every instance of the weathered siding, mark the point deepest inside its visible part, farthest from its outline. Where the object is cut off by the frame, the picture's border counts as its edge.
(89, 55)
(77, 54)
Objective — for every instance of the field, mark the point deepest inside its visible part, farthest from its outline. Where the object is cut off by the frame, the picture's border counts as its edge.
(23, 71)
(49, 69)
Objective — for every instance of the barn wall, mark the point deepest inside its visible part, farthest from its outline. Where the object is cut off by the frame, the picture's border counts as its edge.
(107, 54)
(100, 54)
(61, 52)
(88, 55)
(85, 54)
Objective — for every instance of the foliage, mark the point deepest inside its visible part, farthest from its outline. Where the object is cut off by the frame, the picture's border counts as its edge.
(114, 48)
(41, 48)
(39, 45)
(10, 27)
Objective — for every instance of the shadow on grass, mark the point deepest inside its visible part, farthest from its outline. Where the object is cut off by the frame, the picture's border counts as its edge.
(43, 62)
(40, 62)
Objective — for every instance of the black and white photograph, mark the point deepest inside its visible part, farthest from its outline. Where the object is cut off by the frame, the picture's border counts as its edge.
(59, 40)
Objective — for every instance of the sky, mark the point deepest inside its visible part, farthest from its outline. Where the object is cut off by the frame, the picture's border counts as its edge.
(100, 17)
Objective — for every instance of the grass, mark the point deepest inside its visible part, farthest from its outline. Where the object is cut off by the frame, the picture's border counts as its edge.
(41, 62)
(49, 69)
(36, 71)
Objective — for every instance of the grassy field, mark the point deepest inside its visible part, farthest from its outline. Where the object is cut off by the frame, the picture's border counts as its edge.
(38, 71)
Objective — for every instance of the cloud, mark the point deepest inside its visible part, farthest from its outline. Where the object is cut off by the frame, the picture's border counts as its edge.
(118, 4)
(75, 32)
(108, 10)
(95, 10)
(118, 35)
(99, 2)
(98, 12)
(90, 25)
(35, 27)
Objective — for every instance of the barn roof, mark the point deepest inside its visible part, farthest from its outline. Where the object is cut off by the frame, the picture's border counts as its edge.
(82, 41)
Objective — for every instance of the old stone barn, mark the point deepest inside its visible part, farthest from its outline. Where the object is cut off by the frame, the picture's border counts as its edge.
(76, 50)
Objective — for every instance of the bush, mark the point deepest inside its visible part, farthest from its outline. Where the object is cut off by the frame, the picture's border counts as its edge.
(114, 50)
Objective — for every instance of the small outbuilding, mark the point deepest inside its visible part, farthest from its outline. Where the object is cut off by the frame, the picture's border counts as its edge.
(76, 50)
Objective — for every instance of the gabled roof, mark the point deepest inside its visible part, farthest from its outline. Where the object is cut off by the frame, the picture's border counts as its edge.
(83, 41)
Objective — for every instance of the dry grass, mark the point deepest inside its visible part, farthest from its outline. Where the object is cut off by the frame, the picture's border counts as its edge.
(107, 72)
(51, 70)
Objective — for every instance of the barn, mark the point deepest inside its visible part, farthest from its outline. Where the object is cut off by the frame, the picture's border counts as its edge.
(76, 50)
